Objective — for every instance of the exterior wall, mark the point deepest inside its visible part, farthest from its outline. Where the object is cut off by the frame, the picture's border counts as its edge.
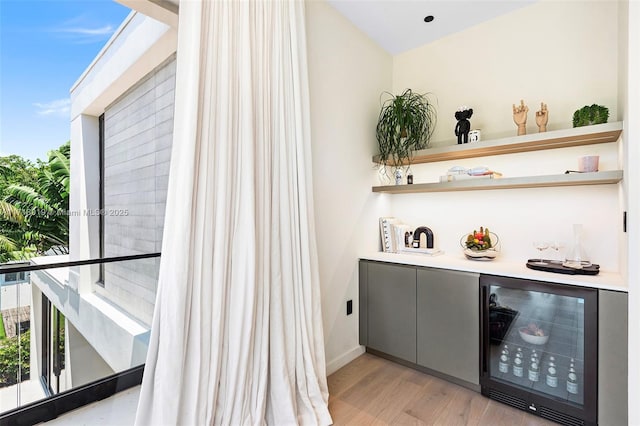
(138, 47)
(82, 361)
(138, 134)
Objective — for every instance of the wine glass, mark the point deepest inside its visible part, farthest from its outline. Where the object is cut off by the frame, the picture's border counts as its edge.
(541, 246)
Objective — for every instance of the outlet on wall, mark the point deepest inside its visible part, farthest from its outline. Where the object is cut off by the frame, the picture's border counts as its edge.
(349, 307)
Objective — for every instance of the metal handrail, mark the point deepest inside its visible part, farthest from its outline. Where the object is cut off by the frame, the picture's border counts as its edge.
(10, 268)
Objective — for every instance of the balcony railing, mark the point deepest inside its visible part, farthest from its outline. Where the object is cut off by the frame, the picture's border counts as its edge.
(72, 332)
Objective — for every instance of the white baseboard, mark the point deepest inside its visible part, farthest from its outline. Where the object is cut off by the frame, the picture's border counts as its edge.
(344, 359)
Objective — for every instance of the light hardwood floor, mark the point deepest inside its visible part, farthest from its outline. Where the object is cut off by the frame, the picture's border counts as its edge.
(374, 391)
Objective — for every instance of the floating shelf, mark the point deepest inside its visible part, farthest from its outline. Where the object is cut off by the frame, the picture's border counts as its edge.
(578, 136)
(574, 179)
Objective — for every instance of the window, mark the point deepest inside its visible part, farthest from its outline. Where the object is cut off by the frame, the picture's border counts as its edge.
(53, 348)
(100, 281)
(14, 277)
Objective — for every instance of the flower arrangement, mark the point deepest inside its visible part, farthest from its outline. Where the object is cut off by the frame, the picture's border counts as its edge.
(480, 245)
(479, 240)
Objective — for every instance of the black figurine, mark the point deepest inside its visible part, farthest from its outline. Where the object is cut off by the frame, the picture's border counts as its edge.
(464, 125)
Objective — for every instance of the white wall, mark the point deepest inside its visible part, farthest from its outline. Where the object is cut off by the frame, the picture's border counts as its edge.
(82, 360)
(632, 158)
(562, 53)
(347, 73)
(136, 48)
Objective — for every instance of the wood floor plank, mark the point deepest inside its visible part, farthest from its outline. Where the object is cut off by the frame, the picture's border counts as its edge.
(498, 414)
(344, 413)
(353, 372)
(530, 420)
(377, 392)
(370, 385)
(417, 377)
(405, 419)
(465, 409)
(434, 399)
(374, 391)
(394, 399)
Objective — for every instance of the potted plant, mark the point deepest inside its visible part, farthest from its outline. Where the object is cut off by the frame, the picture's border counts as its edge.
(588, 115)
(405, 124)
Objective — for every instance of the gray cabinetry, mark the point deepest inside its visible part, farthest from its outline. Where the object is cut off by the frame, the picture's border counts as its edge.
(448, 329)
(429, 317)
(391, 309)
(612, 358)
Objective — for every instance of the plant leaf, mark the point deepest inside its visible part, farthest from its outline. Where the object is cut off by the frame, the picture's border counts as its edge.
(7, 244)
(10, 213)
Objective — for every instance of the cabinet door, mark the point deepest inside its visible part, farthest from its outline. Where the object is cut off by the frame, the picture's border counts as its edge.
(612, 358)
(448, 322)
(391, 310)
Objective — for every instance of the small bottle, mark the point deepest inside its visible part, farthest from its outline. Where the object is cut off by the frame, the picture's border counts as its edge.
(518, 368)
(398, 175)
(534, 367)
(503, 364)
(572, 379)
(410, 178)
(552, 374)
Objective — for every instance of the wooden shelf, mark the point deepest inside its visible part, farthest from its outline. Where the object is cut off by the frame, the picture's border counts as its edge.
(573, 179)
(599, 133)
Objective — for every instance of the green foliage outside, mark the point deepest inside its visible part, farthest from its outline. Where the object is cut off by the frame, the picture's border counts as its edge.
(2, 332)
(34, 200)
(15, 359)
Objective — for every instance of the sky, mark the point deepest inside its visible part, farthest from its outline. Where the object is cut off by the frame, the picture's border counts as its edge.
(45, 46)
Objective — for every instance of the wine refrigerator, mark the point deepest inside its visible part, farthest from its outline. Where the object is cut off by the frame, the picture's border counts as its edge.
(539, 348)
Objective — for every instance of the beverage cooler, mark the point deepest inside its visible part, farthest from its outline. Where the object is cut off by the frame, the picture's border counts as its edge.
(539, 348)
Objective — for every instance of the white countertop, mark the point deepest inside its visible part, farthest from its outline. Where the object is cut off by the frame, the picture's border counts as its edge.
(605, 280)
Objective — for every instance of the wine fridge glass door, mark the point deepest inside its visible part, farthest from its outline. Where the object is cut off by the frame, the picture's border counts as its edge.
(537, 342)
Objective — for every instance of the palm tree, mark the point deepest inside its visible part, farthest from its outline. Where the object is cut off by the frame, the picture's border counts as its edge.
(11, 222)
(9, 214)
(45, 207)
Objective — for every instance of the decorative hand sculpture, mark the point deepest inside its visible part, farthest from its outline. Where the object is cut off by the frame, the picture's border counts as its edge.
(520, 117)
(542, 117)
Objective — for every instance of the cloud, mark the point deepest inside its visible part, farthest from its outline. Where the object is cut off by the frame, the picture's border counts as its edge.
(107, 30)
(79, 31)
(59, 107)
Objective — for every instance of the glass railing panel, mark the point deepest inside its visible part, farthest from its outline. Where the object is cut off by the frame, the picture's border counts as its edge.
(15, 324)
(69, 324)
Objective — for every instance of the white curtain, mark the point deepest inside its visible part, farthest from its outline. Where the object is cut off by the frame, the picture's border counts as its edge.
(237, 330)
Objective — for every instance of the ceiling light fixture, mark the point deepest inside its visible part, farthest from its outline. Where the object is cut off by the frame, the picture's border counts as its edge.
(428, 18)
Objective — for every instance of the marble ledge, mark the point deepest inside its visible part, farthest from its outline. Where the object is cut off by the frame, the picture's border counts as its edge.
(605, 280)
